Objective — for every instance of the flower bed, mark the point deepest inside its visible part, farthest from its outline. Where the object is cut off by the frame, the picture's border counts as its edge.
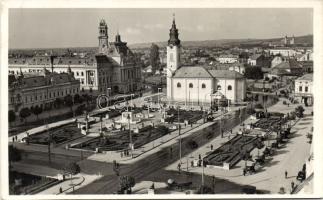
(59, 135)
(120, 140)
(230, 152)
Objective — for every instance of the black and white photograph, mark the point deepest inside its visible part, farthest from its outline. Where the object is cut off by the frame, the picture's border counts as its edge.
(151, 101)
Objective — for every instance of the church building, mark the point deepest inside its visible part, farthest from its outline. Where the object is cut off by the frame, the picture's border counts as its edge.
(197, 84)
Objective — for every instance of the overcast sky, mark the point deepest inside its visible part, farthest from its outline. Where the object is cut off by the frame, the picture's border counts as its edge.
(45, 28)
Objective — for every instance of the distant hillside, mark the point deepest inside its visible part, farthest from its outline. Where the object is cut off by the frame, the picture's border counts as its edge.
(307, 39)
(212, 43)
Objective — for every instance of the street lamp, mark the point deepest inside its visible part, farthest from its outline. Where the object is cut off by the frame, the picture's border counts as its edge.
(179, 133)
(130, 137)
(203, 105)
(108, 93)
(158, 96)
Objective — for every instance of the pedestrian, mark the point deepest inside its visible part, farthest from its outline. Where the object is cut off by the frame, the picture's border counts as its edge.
(244, 172)
(13, 139)
(211, 147)
(171, 150)
(121, 154)
(179, 168)
(200, 157)
(192, 164)
(16, 138)
(286, 173)
(60, 190)
(293, 185)
(191, 124)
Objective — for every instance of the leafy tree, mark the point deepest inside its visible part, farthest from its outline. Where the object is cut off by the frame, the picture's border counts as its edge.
(11, 116)
(253, 73)
(24, 113)
(58, 102)
(72, 168)
(126, 183)
(37, 110)
(68, 101)
(299, 111)
(77, 98)
(154, 57)
(259, 106)
(14, 154)
(79, 110)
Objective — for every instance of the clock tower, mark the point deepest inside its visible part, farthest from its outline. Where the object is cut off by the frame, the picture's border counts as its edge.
(173, 57)
(103, 37)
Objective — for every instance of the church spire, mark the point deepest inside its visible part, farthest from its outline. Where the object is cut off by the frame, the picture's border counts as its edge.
(173, 34)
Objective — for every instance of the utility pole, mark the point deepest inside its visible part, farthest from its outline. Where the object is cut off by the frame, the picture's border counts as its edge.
(49, 141)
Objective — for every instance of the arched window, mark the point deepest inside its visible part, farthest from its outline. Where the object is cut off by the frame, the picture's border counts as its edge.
(190, 85)
(203, 85)
(179, 85)
(229, 87)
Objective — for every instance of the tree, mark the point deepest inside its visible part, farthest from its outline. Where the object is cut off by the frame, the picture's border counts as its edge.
(77, 98)
(11, 116)
(14, 154)
(154, 57)
(299, 111)
(37, 110)
(72, 168)
(68, 101)
(259, 106)
(24, 113)
(58, 102)
(126, 183)
(253, 73)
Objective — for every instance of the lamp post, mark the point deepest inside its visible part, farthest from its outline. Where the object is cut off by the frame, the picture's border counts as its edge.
(130, 137)
(108, 94)
(49, 141)
(179, 133)
(158, 97)
(131, 95)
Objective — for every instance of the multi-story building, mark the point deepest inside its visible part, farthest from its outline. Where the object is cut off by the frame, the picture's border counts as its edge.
(42, 89)
(114, 66)
(304, 89)
(229, 58)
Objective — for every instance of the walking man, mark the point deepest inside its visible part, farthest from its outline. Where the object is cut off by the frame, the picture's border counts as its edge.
(211, 147)
(286, 173)
(179, 168)
(293, 185)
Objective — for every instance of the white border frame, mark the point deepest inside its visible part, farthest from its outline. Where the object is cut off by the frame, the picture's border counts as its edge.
(317, 6)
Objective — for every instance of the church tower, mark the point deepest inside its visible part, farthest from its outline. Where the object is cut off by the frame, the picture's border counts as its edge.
(103, 37)
(173, 57)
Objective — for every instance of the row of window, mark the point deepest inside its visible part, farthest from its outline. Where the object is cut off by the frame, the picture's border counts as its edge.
(190, 85)
(51, 95)
(301, 88)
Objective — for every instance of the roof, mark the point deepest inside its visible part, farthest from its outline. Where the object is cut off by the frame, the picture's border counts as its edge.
(192, 72)
(228, 56)
(229, 74)
(38, 80)
(308, 77)
(291, 63)
(255, 56)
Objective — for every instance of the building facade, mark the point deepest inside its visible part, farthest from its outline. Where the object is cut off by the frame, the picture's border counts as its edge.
(31, 90)
(304, 89)
(113, 68)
